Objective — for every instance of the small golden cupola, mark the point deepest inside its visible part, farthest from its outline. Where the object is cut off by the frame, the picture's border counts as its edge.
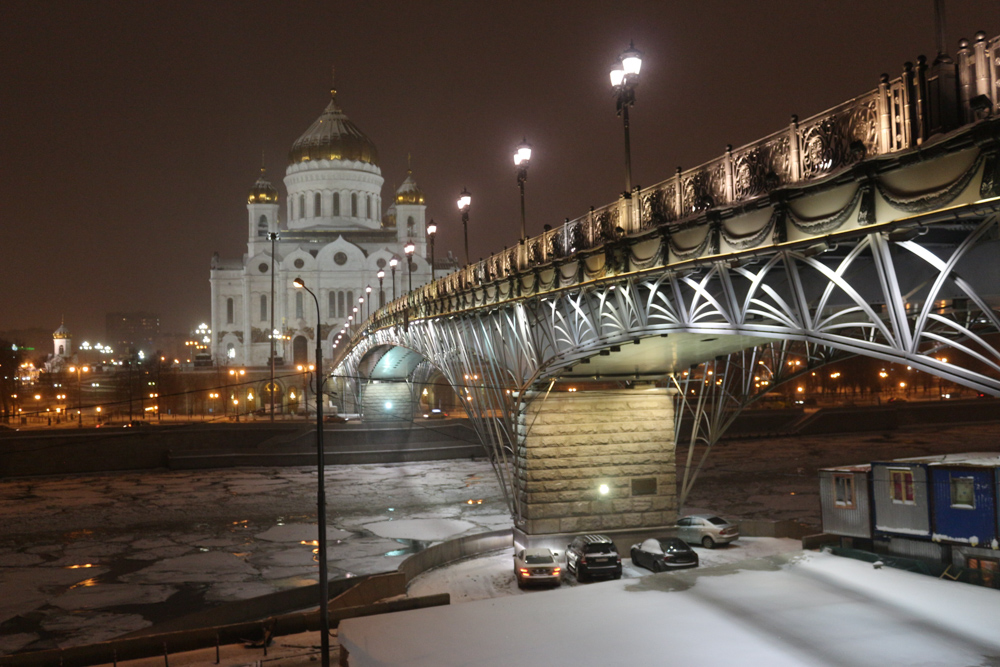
(408, 192)
(262, 191)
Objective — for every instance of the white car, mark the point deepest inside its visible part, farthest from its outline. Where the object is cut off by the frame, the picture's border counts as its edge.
(536, 566)
(707, 530)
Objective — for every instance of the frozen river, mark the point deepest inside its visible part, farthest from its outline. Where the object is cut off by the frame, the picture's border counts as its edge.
(90, 557)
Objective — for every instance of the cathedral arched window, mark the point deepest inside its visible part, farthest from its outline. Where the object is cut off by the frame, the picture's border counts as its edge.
(350, 303)
(332, 306)
(263, 307)
(368, 212)
(340, 305)
(230, 310)
(336, 203)
(302, 206)
(317, 205)
(62, 350)
(230, 351)
(262, 226)
(410, 224)
(354, 204)
(298, 305)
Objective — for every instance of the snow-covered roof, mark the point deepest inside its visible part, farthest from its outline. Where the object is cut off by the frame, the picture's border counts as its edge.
(978, 459)
(857, 467)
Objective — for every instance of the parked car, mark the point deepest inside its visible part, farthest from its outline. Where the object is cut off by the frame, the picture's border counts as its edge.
(436, 413)
(707, 530)
(593, 556)
(536, 566)
(663, 554)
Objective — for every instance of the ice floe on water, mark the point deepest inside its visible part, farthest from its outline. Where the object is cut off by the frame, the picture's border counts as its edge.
(429, 530)
(297, 532)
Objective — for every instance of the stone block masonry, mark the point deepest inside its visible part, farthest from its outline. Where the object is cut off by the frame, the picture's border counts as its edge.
(387, 402)
(570, 443)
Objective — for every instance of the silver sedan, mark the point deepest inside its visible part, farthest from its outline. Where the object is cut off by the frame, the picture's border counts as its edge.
(707, 530)
(536, 566)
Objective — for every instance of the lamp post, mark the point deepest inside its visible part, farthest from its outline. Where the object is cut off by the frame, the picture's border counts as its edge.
(392, 266)
(272, 237)
(368, 299)
(464, 202)
(431, 231)
(409, 249)
(79, 393)
(324, 588)
(521, 160)
(381, 293)
(624, 78)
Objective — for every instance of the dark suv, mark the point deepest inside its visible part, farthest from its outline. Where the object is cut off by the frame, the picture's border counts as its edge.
(593, 555)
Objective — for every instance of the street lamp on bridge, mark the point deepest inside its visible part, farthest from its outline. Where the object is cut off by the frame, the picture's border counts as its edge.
(624, 79)
(368, 300)
(381, 294)
(431, 231)
(324, 587)
(392, 266)
(521, 160)
(409, 249)
(464, 202)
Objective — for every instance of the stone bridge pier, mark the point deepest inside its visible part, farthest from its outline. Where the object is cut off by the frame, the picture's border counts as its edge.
(595, 460)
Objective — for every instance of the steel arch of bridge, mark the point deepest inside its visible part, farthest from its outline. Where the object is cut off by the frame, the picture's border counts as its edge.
(900, 298)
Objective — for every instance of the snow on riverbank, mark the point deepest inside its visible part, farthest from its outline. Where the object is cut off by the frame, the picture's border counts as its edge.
(799, 608)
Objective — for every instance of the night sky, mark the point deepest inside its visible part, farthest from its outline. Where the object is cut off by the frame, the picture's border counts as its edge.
(131, 132)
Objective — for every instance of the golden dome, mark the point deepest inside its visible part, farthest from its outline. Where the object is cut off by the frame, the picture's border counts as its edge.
(262, 191)
(333, 137)
(62, 332)
(408, 192)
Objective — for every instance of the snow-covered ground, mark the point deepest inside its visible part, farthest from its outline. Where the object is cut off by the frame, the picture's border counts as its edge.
(794, 608)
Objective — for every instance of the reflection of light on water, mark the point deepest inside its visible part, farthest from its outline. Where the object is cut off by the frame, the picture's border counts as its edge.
(86, 583)
(77, 567)
(77, 534)
(310, 543)
(470, 501)
(241, 554)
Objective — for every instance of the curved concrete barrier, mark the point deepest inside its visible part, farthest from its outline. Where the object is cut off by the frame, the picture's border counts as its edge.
(457, 549)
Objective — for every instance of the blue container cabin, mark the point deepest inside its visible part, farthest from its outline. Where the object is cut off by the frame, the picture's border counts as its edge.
(964, 490)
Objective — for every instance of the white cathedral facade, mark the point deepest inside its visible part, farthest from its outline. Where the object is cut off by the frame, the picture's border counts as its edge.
(335, 238)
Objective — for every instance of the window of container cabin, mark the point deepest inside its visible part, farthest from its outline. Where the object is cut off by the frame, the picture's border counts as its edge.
(901, 489)
(843, 491)
(963, 493)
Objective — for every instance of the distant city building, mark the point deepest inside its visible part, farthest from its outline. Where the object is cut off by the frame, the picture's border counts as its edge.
(335, 238)
(132, 332)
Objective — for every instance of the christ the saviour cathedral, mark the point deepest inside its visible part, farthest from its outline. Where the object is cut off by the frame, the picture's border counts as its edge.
(335, 238)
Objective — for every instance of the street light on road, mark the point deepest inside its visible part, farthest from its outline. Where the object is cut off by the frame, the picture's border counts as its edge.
(521, 160)
(464, 202)
(624, 79)
(324, 586)
(79, 392)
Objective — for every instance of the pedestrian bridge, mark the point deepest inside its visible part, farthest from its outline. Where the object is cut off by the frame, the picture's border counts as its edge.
(871, 228)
